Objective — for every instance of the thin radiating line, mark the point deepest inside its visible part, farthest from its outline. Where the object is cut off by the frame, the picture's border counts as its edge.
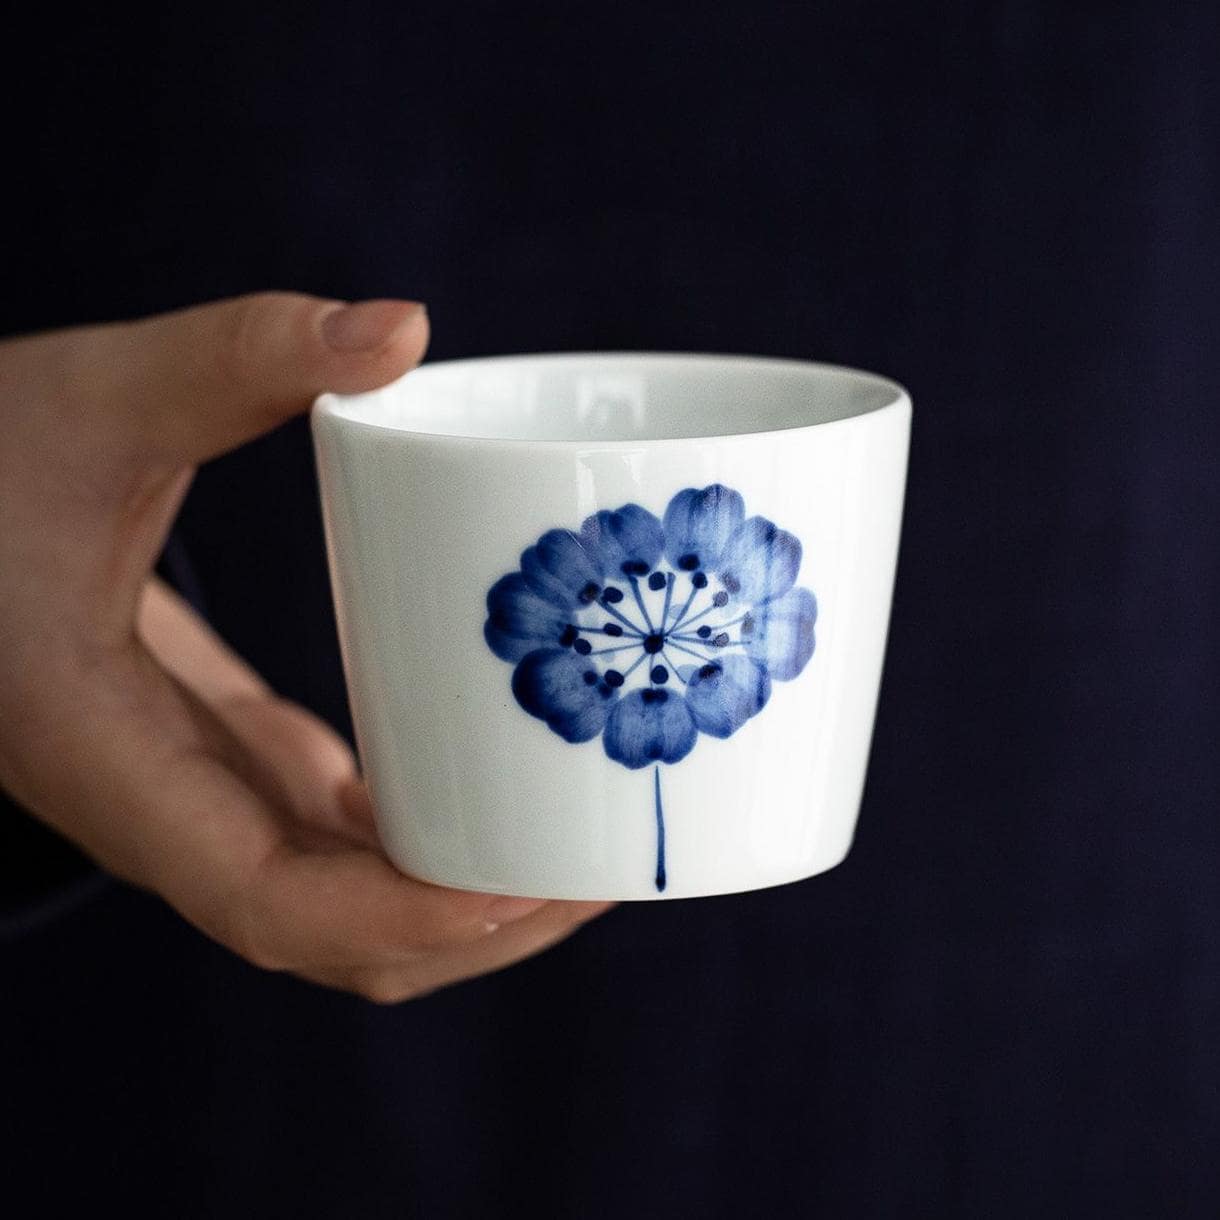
(669, 593)
(639, 601)
(635, 665)
(691, 651)
(678, 617)
(603, 631)
(622, 618)
(673, 669)
(733, 621)
(694, 618)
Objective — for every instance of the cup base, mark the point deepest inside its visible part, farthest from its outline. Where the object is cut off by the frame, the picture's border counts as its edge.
(592, 892)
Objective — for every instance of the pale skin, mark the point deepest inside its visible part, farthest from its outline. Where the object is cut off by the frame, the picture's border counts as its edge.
(128, 726)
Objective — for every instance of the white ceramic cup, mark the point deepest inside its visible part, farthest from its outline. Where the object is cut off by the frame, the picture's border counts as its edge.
(613, 625)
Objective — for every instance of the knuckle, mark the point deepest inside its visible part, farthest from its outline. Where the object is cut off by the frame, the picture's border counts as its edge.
(243, 328)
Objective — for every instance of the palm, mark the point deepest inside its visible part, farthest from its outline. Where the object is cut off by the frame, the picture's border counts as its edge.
(306, 818)
(137, 732)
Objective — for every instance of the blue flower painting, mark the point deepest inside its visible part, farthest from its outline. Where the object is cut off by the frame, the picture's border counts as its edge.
(647, 632)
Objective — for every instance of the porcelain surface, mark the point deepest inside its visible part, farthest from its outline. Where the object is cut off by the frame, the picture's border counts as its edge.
(613, 625)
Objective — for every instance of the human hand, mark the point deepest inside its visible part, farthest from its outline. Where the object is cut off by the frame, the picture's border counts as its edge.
(129, 727)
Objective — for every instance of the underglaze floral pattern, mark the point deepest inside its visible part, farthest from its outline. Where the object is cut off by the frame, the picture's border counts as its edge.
(648, 632)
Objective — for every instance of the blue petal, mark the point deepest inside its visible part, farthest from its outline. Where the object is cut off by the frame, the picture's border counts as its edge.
(725, 693)
(629, 536)
(559, 568)
(760, 561)
(779, 634)
(551, 685)
(518, 620)
(698, 525)
(650, 726)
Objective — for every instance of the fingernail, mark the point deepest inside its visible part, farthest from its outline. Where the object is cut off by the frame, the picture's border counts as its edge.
(368, 325)
(506, 910)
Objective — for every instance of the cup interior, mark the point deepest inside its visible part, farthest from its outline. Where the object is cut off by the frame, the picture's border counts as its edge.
(618, 397)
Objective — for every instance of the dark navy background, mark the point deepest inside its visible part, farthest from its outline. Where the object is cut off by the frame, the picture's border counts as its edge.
(1007, 1002)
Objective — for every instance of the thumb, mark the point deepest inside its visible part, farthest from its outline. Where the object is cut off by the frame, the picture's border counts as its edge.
(192, 384)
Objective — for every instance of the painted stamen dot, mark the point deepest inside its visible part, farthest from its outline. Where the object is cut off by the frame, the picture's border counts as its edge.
(613, 629)
(583, 647)
(660, 675)
(569, 635)
(590, 677)
(704, 631)
(589, 593)
(688, 563)
(731, 582)
(699, 580)
(656, 581)
(721, 598)
(747, 624)
(654, 643)
(614, 678)
(612, 596)
(721, 640)
(635, 567)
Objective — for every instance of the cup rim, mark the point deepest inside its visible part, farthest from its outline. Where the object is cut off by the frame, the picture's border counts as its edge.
(329, 405)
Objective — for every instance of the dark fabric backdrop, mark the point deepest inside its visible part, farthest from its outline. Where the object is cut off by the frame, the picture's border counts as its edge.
(1007, 1002)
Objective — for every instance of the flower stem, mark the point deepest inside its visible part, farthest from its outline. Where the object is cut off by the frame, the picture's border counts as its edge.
(656, 775)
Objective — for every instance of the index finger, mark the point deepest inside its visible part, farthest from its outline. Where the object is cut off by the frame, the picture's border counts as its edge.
(343, 905)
